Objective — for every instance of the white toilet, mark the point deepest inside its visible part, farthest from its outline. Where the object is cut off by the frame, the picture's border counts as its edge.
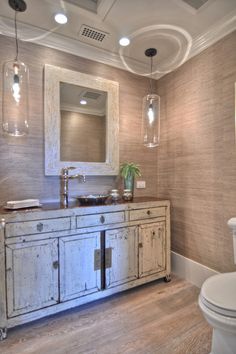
(217, 300)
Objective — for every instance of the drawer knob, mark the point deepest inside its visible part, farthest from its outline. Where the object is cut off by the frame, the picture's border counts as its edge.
(102, 219)
(149, 212)
(55, 265)
(39, 227)
(140, 245)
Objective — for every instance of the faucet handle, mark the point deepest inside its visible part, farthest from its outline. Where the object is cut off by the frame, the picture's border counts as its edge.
(65, 170)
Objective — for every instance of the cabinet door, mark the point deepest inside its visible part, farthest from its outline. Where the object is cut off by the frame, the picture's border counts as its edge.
(123, 244)
(77, 257)
(32, 276)
(151, 248)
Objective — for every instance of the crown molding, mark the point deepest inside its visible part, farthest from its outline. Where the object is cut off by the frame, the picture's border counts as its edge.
(28, 33)
(221, 29)
(53, 40)
(78, 109)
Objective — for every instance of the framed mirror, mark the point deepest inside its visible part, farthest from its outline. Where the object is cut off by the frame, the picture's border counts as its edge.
(81, 114)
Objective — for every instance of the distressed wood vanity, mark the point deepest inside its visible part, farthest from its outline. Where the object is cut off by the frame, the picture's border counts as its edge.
(53, 259)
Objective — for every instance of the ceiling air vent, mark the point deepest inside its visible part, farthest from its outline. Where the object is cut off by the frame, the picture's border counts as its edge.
(92, 35)
(91, 95)
(196, 4)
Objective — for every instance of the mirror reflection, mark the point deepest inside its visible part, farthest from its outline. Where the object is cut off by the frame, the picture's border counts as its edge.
(83, 123)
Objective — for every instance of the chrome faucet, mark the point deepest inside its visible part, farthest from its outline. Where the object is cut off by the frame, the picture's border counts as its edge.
(65, 184)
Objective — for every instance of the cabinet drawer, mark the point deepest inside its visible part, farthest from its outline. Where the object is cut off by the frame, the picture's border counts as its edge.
(99, 219)
(37, 226)
(147, 213)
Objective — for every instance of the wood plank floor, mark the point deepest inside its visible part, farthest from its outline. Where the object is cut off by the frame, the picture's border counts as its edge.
(156, 318)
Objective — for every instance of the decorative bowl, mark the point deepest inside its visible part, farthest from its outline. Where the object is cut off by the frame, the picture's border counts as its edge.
(92, 199)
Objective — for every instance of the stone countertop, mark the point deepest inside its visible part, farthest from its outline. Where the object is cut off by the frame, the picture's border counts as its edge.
(54, 206)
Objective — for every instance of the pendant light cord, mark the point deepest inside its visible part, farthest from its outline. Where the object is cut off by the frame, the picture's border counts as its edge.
(16, 38)
(150, 52)
(151, 76)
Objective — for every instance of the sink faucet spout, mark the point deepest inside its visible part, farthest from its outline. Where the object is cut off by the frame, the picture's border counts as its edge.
(65, 183)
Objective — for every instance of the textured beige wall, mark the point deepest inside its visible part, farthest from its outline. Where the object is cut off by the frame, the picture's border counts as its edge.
(83, 137)
(22, 159)
(197, 156)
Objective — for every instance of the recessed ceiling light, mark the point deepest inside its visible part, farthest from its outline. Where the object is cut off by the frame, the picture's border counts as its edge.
(60, 18)
(124, 41)
(83, 102)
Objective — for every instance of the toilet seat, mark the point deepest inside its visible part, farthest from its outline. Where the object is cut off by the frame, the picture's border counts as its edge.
(218, 293)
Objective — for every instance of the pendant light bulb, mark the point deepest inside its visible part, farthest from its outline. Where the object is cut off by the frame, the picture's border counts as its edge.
(15, 87)
(16, 83)
(151, 112)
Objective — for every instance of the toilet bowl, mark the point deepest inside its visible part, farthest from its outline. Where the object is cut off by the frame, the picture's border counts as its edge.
(217, 301)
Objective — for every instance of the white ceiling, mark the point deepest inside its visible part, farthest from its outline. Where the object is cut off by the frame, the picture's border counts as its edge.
(177, 30)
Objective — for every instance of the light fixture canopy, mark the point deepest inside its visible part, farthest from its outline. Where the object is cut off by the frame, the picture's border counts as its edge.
(18, 5)
(151, 111)
(150, 52)
(15, 103)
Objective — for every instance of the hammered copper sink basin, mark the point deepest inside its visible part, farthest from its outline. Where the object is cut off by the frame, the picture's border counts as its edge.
(92, 199)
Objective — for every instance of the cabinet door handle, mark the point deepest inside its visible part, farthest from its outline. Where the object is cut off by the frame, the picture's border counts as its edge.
(39, 227)
(140, 245)
(102, 219)
(108, 257)
(55, 265)
(97, 259)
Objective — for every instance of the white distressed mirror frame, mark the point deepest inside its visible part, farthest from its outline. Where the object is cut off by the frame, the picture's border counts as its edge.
(52, 77)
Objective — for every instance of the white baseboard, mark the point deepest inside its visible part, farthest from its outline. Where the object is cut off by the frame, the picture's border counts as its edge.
(190, 270)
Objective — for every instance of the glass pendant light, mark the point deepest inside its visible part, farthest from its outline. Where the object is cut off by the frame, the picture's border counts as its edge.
(151, 112)
(15, 87)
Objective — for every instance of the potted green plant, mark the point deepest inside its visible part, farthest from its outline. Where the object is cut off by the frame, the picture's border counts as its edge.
(129, 170)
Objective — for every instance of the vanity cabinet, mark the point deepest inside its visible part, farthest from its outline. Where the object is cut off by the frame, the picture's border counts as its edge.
(53, 259)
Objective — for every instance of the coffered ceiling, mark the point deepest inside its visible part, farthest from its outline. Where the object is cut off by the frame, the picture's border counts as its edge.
(178, 29)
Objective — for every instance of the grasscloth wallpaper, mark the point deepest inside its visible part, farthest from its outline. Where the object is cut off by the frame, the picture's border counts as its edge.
(87, 131)
(197, 156)
(22, 159)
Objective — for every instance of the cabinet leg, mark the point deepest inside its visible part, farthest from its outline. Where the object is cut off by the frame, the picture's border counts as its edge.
(3, 333)
(167, 278)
